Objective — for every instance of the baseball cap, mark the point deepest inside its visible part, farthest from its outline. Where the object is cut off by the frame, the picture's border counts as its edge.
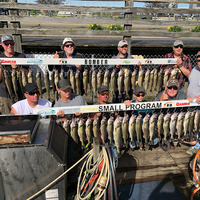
(102, 89)
(122, 43)
(139, 90)
(29, 87)
(6, 37)
(66, 40)
(178, 42)
(63, 84)
(198, 54)
(172, 82)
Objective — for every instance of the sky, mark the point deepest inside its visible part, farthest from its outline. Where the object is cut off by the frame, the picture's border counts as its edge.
(100, 3)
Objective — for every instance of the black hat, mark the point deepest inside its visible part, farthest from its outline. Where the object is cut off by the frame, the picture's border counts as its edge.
(63, 84)
(29, 87)
(139, 90)
(102, 89)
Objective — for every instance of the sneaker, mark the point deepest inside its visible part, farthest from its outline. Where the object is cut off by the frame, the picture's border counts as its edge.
(191, 151)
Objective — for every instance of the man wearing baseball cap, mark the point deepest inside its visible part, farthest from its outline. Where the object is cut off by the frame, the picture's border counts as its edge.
(122, 54)
(68, 51)
(194, 82)
(26, 106)
(7, 42)
(183, 63)
(171, 92)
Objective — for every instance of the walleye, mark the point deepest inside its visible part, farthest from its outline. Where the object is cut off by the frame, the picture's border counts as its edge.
(24, 78)
(94, 82)
(81, 132)
(155, 79)
(131, 129)
(166, 127)
(145, 128)
(138, 128)
(47, 83)
(106, 78)
(133, 79)
(191, 125)
(120, 82)
(151, 80)
(78, 82)
(39, 82)
(125, 130)
(53, 81)
(160, 80)
(96, 130)
(30, 76)
(7, 80)
(127, 83)
(74, 130)
(14, 82)
(66, 126)
(179, 126)
(146, 79)
(99, 78)
(56, 78)
(113, 83)
(196, 121)
(152, 128)
(166, 77)
(140, 77)
(110, 128)
(88, 130)
(72, 80)
(62, 74)
(118, 134)
(85, 81)
(172, 125)
(160, 125)
(103, 129)
(173, 73)
(186, 123)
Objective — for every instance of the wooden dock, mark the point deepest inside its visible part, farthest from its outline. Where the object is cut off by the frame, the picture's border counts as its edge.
(146, 166)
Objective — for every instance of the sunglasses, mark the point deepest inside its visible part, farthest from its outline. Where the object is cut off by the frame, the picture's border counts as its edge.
(140, 95)
(174, 87)
(69, 45)
(105, 93)
(125, 46)
(198, 60)
(33, 93)
(9, 43)
(181, 46)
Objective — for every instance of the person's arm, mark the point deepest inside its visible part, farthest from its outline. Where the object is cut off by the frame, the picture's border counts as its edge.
(13, 111)
(164, 96)
(1, 73)
(183, 68)
(190, 143)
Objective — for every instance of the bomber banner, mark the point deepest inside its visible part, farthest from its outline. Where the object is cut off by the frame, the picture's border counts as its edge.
(116, 107)
(77, 61)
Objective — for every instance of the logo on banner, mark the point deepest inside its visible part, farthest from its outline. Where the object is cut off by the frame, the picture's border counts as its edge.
(171, 61)
(35, 61)
(168, 104)
(7, 61)
(148, 61)
(63, 61)
(182, 104)
(126, 62)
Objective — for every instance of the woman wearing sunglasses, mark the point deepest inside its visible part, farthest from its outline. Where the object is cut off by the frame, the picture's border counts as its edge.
(171, 92)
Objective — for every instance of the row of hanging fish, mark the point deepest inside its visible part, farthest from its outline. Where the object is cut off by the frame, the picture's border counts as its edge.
(135, 131)
(123, 82)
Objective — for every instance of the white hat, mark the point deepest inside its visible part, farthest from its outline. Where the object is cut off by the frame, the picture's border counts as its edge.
(6, 37)
(178, 42)
(122, 43)
(66, 40)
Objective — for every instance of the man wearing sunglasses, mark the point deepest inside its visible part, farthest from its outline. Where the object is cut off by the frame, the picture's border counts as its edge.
(7, 42)
(122, 54)
(183, 63)
(171, 92)
(193, 90)
(68, 51)
(26, 106)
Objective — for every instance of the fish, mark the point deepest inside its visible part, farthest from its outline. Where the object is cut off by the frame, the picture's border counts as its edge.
(131, 129)
(53, 81)
(30, 76)
(166, 77)
(99, 78)
(151, 80)
(173, 73)
(88, 130)
(160, 80)
(160, 125)
(146, 79)
(106, 78)
(96, 129)
(186, 123)
(81, 132)
(196, 121)
(145, 128)
(172, 125)
(103, 129)
(20, 81)
(155, 79)
(120, 82)
(125, 130)
(138, 128)
(7, 80)
(117, 134)
(14, 83)
(74, 130)
(85, 81)
(39, 81)
(72, 80)
(24, 78)
(110, 128)
(113, 83)
(166, 123)
(66, 126)
(179, 126)
(62, 74)
(127, 83)
(152, 128)
(191, 125)
(140, 77)
(133, 79)
(78, 82)
(94, 81)
(56, 78)
(47, 83)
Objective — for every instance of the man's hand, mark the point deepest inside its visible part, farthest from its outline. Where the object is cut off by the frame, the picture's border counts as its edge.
(118, 66)
(127, 102)
(139, 64)
(14, 66)
(190, 99)
(56, 55)
(198, 99)
(164, 96)
(179, 62)
(60, 113)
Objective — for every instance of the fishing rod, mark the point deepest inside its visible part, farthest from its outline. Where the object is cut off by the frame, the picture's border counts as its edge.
(86, 61)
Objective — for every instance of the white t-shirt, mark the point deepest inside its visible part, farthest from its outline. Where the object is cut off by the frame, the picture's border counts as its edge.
(23, 108)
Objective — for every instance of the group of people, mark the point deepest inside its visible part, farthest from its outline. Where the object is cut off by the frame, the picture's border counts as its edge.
(172, 91)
